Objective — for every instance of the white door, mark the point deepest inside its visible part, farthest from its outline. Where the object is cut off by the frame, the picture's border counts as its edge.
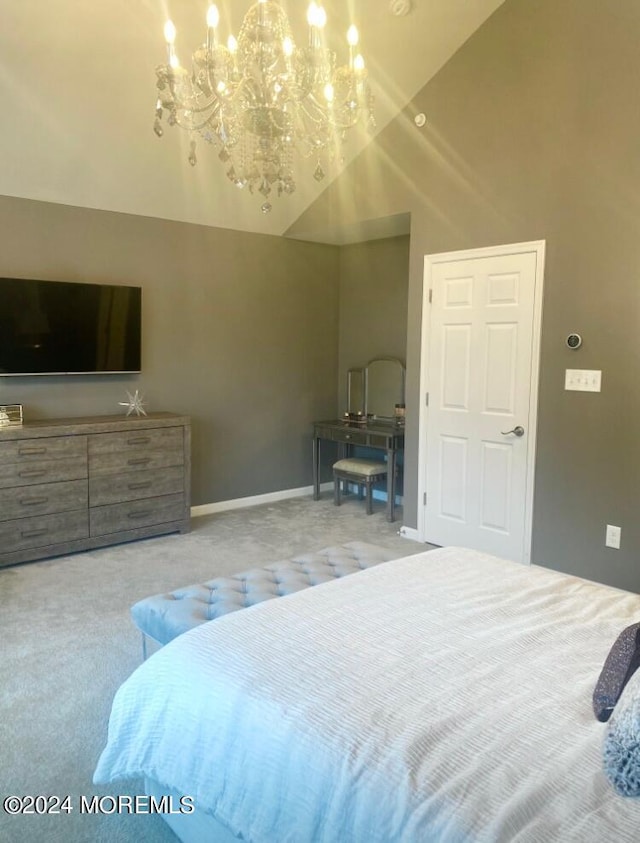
(479, 375)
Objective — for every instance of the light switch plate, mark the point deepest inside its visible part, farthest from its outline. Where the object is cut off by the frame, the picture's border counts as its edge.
(583, 380)
(612, 536)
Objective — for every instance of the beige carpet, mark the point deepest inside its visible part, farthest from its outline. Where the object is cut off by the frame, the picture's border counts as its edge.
(67, 643)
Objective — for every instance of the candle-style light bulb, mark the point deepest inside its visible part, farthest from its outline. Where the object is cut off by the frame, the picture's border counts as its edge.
(232, 44)
(352, 35)
(213, 16)
(170, 37)
(312, 14)
(169, 32)
(213, 19)
(358, 62)
(287, 47)
(316, 18)
(328, 92)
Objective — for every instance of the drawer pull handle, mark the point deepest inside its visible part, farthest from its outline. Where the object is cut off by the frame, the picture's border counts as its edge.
(135, 515)
(33, 501)
(32, 534)
(134, 486)
(140, 440)
(139, 461)
(32, 472)
(30, 452)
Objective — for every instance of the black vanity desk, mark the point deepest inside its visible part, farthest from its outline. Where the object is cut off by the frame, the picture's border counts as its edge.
(386, 436)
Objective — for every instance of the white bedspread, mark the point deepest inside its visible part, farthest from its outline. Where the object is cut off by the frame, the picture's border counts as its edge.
(441, 697)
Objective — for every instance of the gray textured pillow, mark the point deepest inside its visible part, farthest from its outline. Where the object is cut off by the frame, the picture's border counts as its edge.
(621, 751)
(620, 665)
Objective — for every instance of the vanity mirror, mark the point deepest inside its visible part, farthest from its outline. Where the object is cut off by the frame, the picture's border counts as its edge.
(383, 387)
(355, 391)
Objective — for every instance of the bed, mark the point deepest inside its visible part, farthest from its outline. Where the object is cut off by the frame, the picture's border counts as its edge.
(443, 697)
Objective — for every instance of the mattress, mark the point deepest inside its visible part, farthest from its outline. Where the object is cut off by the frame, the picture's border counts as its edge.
(445, 696)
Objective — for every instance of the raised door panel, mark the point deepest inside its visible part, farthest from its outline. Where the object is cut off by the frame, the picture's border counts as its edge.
(453, 464)
(496, 472)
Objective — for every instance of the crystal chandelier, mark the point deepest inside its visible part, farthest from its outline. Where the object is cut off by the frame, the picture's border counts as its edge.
(260, 98)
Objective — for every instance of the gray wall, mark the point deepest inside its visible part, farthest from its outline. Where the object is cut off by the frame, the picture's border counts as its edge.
(374, 284)
(240, 331)
(533, 133)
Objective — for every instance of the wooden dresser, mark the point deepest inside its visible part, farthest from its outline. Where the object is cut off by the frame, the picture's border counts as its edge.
(76, 484)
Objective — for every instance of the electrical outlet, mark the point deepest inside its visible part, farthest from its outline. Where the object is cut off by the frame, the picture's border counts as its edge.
(612, 536)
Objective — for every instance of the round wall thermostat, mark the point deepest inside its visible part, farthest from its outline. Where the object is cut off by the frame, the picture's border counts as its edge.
(400, 8)
(574, 341)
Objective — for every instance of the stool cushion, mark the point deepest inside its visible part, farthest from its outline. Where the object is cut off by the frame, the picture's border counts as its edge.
(368, 468)
(165, 616)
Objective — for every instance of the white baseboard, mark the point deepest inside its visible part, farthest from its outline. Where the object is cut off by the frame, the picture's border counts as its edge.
(255, 500)
(272, 497)
(409, 533)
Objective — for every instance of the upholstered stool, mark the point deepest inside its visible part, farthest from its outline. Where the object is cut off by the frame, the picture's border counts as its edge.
(364, 473)
(162, 617)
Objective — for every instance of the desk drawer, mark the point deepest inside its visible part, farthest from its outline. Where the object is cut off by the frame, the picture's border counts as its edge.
(111, 453)
(133, 514)
(43, 530)
(132, 486)
(323, 432)
(42, 499)
(378, 440)
(351, 436)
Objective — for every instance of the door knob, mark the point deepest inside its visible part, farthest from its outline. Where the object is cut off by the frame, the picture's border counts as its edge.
(519, 431)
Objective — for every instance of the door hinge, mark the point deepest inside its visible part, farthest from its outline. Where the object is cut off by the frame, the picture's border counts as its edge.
(424, 499)
(430, 295)
(426, 399)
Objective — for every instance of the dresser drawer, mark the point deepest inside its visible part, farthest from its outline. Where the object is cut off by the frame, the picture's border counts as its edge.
(133, 514)
(43, 471)
(39, 450)
(110, 453)
(43, 530)
(131, 486)
(42, 499)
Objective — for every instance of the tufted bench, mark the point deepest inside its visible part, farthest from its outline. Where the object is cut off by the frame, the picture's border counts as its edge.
(165, 616)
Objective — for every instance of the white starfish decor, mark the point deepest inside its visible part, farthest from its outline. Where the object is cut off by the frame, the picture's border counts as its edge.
(135, 404)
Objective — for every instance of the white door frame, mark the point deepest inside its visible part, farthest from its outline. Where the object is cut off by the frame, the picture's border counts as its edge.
(537, 246)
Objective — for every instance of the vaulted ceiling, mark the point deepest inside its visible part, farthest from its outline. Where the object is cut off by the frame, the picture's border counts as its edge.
(78, 97)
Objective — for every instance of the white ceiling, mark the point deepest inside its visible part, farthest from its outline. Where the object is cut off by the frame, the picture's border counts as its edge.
(78, 95)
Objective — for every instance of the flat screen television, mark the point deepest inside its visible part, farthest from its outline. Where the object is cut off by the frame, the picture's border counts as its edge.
(62, 328)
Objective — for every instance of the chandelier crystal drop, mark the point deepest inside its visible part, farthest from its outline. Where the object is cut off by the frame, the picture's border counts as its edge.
(261, 98)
